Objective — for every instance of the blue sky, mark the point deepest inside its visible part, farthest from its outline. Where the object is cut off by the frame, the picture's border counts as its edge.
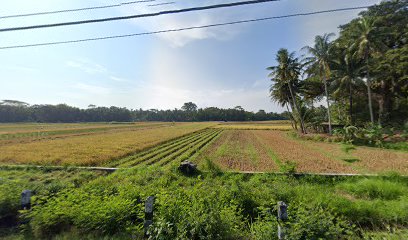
(223, 66)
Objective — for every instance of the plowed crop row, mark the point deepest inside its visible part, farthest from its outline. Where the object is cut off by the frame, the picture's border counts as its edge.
(179, 149)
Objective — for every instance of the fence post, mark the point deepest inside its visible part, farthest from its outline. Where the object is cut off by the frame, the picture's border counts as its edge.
(149, 207)
(26, 199)
(282, 216)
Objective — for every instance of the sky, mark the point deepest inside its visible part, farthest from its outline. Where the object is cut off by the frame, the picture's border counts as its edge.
(222, 66)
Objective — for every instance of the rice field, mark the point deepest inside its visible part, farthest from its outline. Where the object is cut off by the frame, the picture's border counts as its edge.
(281, 125)
(178, 150)
(93, 149)
(238, 146)
(265, 151)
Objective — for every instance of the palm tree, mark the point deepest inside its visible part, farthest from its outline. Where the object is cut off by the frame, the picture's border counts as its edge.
(286, 77)
(318, 63)
(345, 76)
(364, 47)
(279, 92)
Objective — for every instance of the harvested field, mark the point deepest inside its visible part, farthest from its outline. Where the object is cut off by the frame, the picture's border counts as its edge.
(239, 150)
(263, 151)
(93, 149)
(305, 158)
(378, 160)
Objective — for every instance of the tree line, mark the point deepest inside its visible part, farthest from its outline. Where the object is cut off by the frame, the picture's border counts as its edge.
(361, 76)
(17, 111)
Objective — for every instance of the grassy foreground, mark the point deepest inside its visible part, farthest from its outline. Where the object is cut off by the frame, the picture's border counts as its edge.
(216, 205)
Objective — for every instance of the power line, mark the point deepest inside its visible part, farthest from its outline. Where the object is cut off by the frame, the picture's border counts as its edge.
(184, 29)
(137, 16)
(160, 4)
(75, 9)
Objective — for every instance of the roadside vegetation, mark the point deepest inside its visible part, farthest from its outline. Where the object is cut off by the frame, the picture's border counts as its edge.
(220, 205)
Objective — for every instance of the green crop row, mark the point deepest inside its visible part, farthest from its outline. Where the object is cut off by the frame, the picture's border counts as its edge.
(193, 150)
(171, 155)
(157, 150)
(170, 151)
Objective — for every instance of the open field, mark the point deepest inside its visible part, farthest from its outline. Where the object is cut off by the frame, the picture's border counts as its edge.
(282, 125)
(19, 133)
(95, 148)
(241, 146)
(261, 150)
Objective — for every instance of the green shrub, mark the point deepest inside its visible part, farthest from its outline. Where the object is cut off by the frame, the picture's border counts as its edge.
(375, 188)
(316, 222)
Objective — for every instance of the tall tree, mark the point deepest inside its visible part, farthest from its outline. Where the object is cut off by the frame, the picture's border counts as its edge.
(286, 77)
(345, 68)
(365, 47)
(318, 63)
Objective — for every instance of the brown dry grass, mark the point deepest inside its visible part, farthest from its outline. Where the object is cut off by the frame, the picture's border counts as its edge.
(238, 150)
(307, 158)
(93, 149)
(380, 160)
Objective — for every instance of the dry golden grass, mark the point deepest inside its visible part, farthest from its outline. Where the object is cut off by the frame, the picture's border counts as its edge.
(261, 125)
(379, 160)
(54, 131)
(93, 149)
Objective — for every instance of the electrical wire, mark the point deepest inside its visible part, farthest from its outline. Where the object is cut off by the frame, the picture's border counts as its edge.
(193, 9)
(183, 29)
(75, 9)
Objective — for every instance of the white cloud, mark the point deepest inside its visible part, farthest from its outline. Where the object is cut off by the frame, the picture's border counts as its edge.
(87, 66)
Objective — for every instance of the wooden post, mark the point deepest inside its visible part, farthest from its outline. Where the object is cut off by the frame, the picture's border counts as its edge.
(149, 207)
(282, 216)
(26, 199)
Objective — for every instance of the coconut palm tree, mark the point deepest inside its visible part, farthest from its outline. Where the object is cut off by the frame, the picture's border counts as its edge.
(318, 64)
(279, 93)
(364, 47)
(345, 68)
(286, 80)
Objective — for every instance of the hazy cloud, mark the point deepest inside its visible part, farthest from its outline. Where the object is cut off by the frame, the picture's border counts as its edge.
(87, 66)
